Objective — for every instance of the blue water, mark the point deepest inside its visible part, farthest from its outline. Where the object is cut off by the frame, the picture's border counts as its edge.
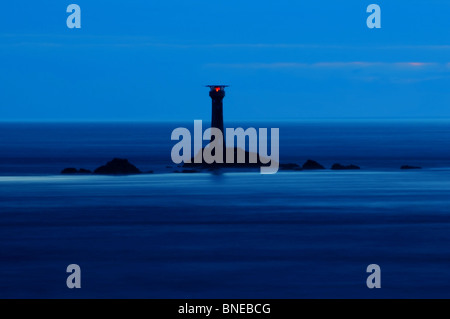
(232, 235)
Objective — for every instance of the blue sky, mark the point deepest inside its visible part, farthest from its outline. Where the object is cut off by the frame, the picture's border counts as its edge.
(285, 60)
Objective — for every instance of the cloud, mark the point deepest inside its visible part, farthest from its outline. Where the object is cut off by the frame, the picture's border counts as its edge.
(361, 71)
(331, 65)
(148, 41)
(407, 80)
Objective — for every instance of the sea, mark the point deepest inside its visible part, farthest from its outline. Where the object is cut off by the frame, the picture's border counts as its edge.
(226, 234)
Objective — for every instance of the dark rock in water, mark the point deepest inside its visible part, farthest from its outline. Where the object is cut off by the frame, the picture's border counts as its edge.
(199, 162)
(71, 170)
(118, 166)
(310, 164)
(410, 167)
(338, 166)
(290, 167)
(189, 171)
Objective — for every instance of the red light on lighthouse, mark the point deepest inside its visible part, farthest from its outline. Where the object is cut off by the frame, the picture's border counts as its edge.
(217, 89)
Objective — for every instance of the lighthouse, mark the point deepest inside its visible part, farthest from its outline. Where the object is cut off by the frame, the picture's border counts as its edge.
(217, 93)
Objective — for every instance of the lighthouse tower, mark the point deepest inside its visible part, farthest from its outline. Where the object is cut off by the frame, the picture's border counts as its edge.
(217, 93)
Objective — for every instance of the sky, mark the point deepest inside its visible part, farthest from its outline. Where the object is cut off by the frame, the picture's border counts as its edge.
(284, 60)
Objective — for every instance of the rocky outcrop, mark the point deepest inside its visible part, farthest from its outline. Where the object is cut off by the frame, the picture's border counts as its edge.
(117, 166)
(290, 167)
(189, 171)
(410, 167)
(72, 170)
(312, 165)
(69, 170)
(199, 162)
(338, 166)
